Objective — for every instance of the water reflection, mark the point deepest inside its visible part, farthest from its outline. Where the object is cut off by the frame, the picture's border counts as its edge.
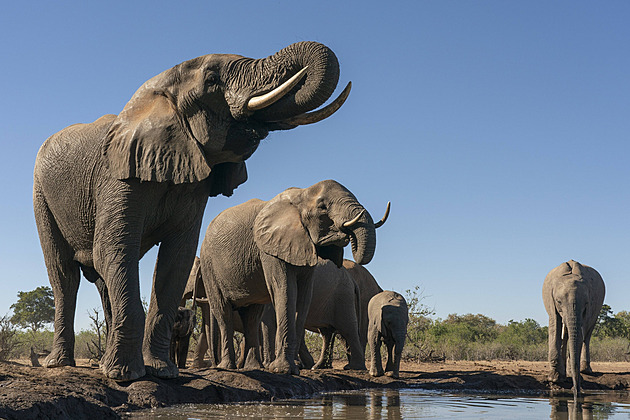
(598, 406)
(410, 403)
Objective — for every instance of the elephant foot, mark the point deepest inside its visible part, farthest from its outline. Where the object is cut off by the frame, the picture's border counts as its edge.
(161, 368)
(392, 374)
(283, 367)
(354, 366)
(321, 365)
(122, 369)
(376, 372)
(587, 370)
(226, 364)
(199, 364)
(252, 363)
(554, 377)
(58, 359)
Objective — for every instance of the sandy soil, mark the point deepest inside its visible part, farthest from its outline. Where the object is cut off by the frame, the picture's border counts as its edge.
(82, 392)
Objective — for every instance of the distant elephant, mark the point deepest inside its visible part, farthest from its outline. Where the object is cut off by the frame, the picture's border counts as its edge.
(573, 295)
(265, 251)
(180, 338)
(388, 319)
(104, 193)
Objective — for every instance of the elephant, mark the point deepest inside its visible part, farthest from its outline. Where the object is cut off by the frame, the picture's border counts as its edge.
(180, 338)
(263, 252)
(388, 319)
(106, 192)
(573, 295)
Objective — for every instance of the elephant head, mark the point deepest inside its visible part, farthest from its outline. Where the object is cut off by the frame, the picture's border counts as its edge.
(300, 225)
(202, 118)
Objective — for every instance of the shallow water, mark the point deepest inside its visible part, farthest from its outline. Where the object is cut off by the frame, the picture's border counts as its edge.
(409, 404)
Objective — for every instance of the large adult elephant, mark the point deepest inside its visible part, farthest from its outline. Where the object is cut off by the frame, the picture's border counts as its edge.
(573, 295)
(108, 191)
(265, 251)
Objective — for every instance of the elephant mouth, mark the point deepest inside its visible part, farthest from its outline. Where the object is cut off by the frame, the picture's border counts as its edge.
(262, 101)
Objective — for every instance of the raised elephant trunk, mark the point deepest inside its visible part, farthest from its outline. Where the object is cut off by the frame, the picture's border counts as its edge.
(310, 90)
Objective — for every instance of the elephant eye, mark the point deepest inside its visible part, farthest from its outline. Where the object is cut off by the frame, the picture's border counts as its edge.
(212, 79)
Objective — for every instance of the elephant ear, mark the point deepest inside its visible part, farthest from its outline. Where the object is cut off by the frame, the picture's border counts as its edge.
(278, 231)
(151, 140)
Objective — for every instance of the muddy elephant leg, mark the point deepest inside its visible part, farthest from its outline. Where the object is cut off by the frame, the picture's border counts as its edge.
(175, 259)
(282, 286)
(394, 355)
(325, 357)
(63, 274)
(303, 302)
(555, 348)
(251, 316)
(268, 335)
(224, 334)
(374, 339)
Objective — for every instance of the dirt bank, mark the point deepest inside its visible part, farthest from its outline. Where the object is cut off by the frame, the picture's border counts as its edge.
(83, 392)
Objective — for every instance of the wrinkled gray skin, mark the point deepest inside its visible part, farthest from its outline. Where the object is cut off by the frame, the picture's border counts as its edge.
(265, 251)
(335, 308)
(573, 295)
(388, 318)
(106, 192)
(180, 338)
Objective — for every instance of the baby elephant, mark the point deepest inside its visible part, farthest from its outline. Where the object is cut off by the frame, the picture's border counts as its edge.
(180, 339)
(573, 295)
(387, 323)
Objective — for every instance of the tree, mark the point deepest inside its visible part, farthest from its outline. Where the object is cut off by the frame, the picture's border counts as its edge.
(608, 325)
(34, 309)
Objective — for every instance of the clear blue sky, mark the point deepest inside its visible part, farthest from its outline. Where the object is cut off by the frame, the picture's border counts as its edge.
(498, 130)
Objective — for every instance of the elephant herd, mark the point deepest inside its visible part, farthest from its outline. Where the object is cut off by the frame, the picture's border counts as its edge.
(106, 192)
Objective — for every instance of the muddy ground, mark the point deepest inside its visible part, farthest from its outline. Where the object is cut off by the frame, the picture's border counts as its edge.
(82, 392)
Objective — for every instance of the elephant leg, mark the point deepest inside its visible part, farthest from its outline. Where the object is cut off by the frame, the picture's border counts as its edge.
(555, 348)
(389, 366)
(202, 341)
(251, 316)
(585, 359)
(93, 277)
(183, 344)
(303, 302)
(175, 259)
(305, 356)
(268, 334)
(282, 286)
(63, 274)
(397, 347)
(374, 339)
(356, 355)
(327, 334)
(224, 335)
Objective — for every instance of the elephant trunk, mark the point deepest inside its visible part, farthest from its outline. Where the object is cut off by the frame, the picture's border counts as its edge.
(575, 347)
(363, 239)
(322, 75)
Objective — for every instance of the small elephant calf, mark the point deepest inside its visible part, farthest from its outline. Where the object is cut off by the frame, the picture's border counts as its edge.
(180, 339)
(387, 323)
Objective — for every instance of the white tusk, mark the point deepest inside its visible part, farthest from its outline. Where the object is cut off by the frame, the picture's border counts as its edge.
(316, 116)
(353, 221)
(263, 101)
(384, 219)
